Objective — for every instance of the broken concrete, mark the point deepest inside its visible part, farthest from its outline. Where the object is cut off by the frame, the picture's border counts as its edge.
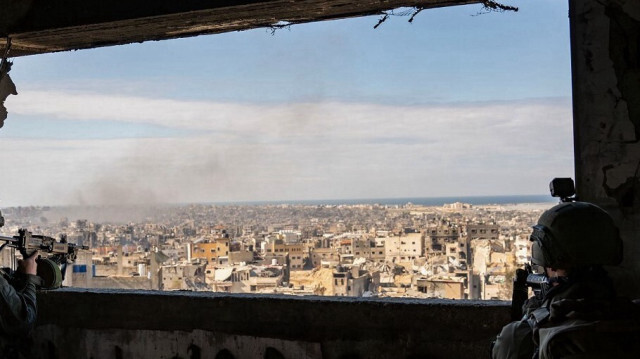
(7, 87)
(37, 27)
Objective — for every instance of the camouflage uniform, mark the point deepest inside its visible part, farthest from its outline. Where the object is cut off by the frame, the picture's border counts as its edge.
(584, 318)
(18, 311)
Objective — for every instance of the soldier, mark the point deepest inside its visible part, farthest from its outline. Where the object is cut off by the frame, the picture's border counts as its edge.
(578, 313)
(18, 308)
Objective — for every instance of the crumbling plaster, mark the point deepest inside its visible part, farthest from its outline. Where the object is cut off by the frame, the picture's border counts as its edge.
(605, 39)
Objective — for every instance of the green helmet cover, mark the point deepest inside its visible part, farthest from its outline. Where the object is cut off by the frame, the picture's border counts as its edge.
(575, 234)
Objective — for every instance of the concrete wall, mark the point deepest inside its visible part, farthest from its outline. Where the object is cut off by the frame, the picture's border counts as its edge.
(605, 49)
(75, 323)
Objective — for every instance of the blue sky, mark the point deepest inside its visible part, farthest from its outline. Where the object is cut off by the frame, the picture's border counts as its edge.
(454, 103)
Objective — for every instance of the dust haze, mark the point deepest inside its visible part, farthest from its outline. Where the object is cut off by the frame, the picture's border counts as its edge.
(303, 151)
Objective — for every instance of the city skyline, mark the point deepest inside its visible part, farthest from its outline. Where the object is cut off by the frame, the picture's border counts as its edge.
(454, 250)
(319, 111)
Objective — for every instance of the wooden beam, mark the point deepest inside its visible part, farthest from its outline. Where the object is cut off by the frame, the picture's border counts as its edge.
(42, 26)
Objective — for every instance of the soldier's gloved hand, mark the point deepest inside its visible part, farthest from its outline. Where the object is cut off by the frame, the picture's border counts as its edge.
(28, 265)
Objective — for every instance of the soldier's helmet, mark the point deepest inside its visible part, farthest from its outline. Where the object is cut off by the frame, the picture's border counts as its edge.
(575, 234)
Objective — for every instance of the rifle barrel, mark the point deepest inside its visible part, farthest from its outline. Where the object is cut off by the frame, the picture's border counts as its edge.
(8, 239)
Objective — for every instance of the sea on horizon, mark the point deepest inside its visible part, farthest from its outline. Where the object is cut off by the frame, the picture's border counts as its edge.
(400, 201)
(420, 201)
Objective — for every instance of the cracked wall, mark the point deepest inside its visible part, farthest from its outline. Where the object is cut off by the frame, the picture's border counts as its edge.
(605, 46)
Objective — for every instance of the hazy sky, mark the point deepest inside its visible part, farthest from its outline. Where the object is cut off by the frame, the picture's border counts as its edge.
(454, 103)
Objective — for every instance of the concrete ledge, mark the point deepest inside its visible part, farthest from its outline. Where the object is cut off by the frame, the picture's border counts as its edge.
(136, 324)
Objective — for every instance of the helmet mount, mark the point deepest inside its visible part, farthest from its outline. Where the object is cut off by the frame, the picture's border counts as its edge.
(563, 188)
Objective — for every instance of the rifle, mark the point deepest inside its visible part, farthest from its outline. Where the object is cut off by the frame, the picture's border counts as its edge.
(523, 280)
(58, 254)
